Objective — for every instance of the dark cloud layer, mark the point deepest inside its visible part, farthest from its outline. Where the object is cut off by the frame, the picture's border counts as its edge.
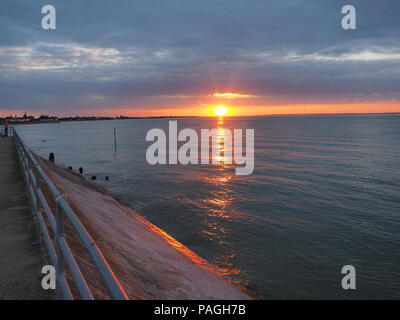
(117, 54)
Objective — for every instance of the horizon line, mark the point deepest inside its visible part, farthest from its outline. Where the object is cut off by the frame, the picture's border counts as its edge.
(121, 117)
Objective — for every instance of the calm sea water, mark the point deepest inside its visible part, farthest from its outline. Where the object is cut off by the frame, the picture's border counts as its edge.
(325, 193)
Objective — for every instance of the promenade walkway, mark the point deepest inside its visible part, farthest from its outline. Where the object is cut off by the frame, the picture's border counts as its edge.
(20, 262)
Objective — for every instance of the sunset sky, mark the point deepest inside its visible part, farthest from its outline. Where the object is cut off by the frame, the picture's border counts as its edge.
(176, 57)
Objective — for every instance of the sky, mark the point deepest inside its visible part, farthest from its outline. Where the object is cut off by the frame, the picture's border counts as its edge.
(181, 57)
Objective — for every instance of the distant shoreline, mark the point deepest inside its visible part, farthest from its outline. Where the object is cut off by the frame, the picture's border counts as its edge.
(36, 121)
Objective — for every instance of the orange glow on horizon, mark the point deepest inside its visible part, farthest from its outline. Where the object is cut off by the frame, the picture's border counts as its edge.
(202, 110)
(198, 109)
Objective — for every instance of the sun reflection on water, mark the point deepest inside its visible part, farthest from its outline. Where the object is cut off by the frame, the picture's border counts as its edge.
(218, 213)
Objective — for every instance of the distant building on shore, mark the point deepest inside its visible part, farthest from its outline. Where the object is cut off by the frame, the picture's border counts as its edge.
(16, 119)
(47, 118)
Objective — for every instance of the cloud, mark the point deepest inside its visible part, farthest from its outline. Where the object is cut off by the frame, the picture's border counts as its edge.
(366, 55)
(47, 57)
(150, 54)
(232, 95)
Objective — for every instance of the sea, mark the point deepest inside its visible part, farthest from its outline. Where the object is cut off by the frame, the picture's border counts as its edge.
(324, 194)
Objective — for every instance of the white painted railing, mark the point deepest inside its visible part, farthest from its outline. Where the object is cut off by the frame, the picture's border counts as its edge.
(62, 256)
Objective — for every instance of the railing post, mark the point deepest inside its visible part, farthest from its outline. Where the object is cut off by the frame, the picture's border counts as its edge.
(28, 179)
(36, 189)
(60, 268)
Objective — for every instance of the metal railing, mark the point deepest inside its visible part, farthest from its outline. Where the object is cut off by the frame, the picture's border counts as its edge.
(10, 132)
(62, 256)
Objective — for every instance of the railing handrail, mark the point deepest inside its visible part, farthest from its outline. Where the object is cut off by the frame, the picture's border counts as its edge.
(63, 255)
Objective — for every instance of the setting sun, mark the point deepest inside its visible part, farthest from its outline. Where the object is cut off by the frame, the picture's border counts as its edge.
(220, 111)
